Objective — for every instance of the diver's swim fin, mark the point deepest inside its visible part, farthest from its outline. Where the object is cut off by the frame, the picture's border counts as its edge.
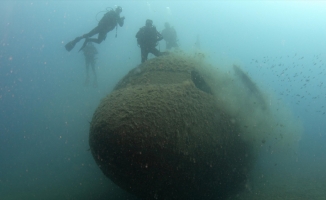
(70, 45)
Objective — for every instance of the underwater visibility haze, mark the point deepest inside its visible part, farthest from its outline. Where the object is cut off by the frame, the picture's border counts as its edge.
(252, 72)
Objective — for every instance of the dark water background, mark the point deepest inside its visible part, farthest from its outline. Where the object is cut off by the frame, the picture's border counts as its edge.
(45, 109)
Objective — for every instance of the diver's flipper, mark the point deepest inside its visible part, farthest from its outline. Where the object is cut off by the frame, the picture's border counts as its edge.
(84, 45)
(70, 45)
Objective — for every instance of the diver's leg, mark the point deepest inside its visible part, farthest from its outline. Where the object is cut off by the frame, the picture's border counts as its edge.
(69, 46)
(98, 40)
(93, 32)
(155, 52)
(101, 37)
(144, 53)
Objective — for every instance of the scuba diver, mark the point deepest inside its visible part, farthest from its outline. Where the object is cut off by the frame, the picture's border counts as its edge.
(148, 38)
(170, 36)
(109, 21)
(89, 53)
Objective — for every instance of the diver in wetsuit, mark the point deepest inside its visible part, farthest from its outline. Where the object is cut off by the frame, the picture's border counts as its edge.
(148, 38)
(109, 21)
(170, 36)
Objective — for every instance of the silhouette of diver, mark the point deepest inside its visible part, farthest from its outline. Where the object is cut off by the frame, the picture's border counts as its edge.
(170, 36)
(109, 21)
(148, 38)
